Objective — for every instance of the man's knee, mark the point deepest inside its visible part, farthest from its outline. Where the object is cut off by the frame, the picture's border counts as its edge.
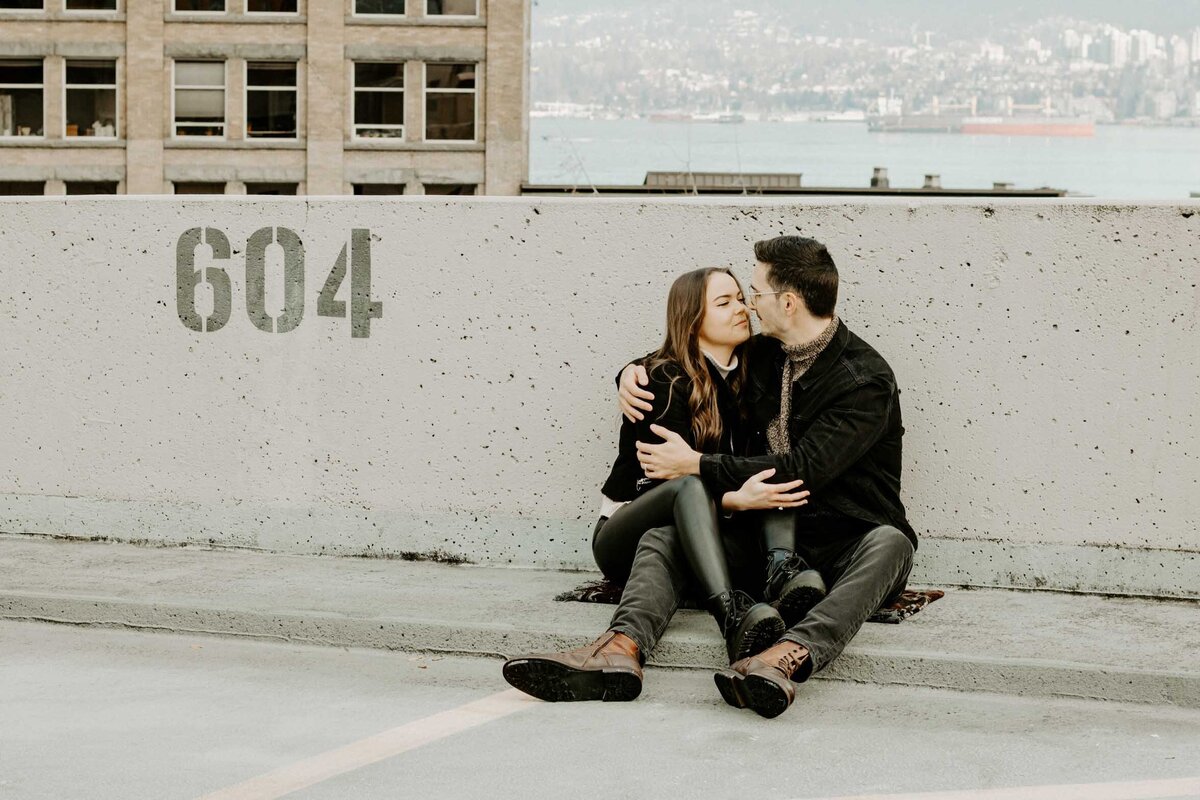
(664, 540)
(888, 543)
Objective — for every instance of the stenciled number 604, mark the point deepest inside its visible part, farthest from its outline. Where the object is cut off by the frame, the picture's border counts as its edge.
(362, 308)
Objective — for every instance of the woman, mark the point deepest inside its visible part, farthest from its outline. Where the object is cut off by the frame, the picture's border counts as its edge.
(696, 376)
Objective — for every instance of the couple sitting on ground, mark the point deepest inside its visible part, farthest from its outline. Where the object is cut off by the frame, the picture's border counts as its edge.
(758, 473)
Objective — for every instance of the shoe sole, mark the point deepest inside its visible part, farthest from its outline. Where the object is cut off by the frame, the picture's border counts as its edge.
(766, 697)
(764, 628)
(795, 604)
(556, 683)
(762, 696)
(731, 685)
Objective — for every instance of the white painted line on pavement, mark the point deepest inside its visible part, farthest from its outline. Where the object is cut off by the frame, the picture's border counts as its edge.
(355, 755)
(1128, 790)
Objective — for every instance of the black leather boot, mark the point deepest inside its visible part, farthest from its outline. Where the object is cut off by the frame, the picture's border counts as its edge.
(792, 586)
(748, 627)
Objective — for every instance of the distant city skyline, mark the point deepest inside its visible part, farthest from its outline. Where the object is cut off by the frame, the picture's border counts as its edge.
(768, 59)
(949, 16)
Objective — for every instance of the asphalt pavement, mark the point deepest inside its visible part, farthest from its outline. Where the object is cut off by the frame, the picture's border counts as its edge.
(100, 714)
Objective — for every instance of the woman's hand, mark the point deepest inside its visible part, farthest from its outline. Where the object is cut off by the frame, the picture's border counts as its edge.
(758, 495)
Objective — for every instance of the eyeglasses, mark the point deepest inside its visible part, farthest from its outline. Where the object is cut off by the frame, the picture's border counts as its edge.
(752, 298)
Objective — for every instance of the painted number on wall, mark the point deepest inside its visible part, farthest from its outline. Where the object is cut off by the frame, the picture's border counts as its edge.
(362, 308)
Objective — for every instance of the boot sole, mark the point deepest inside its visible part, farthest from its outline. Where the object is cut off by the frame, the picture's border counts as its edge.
(731, 685)
(767, 698)
(764, 626)
(556, 683)
(794, 605)
(760, 695)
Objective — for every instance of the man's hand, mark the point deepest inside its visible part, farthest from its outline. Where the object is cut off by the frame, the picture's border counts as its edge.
(671, 459)
(758, 495)
(632, 398)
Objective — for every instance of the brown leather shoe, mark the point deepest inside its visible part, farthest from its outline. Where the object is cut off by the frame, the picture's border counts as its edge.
(606, 669)
(763, 682)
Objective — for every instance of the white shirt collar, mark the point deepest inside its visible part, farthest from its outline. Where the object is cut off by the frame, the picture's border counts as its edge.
(724, 369)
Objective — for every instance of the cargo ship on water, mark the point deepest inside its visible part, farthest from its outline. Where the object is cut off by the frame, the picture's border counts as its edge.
(1019, 125)
(724, 118)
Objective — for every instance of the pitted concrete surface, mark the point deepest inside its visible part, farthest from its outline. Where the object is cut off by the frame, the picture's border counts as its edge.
(1026, 643)
(1046, 352)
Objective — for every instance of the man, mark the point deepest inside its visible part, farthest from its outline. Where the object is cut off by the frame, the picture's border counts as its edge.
(826, 407)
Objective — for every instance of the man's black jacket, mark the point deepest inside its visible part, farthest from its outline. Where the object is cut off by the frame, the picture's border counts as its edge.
(845, 430)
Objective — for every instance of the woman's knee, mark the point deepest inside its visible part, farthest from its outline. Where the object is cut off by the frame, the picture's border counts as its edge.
(690, 487)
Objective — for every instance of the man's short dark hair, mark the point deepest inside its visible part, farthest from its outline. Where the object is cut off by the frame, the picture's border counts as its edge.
(804, 266)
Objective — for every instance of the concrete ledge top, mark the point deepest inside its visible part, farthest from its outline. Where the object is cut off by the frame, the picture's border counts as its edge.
(739, 201)
(990, 640)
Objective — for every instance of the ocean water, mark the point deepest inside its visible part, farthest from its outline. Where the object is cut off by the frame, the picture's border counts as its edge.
(1119, 162)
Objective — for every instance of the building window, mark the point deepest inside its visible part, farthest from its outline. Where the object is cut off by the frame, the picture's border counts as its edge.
(21, 5)
(200, 98)
(449, 188)
(21, 98)
(379, 100)
(196, 187)
(379, 7)
(450, 102)
(22, 187)
(272, 7)
(91, 5)
(91, 99)
(270, 100)
(378, 188)
(200, 6)
(271, 188)
(452, 8)
(91, 187)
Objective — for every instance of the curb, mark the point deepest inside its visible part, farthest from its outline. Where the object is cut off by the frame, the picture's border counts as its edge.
(679, 649)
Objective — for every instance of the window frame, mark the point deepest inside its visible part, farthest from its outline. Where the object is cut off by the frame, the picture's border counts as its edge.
(358, 189)
(41, 10)
(115, 184)
(175, 10)
(40, 87)
(354, 90)
(223, 184)
(268, 14)
(354, 12)
(224, 137)
(474, 187)
(476, 15)
(425, 104)
(116, 9)
(246, 88)
(4, 187)
(116, 87)
(295, 186)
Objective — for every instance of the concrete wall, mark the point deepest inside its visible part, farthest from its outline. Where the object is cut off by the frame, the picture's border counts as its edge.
(1047, 353)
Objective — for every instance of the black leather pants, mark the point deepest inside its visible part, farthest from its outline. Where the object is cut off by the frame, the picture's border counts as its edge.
(683, 503)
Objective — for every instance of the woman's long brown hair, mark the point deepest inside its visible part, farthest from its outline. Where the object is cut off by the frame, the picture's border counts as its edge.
(686, 305)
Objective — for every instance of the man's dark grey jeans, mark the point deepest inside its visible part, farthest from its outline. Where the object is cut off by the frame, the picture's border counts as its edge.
(863, 573)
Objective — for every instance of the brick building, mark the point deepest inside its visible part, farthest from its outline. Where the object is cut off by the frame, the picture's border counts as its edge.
(263, 96)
